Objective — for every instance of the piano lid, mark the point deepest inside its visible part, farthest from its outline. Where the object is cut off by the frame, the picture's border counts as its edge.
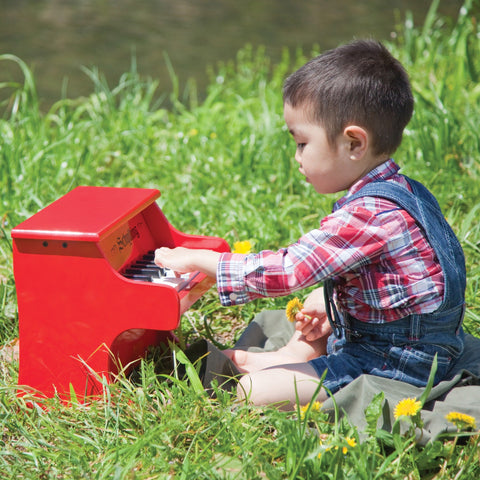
(86, 213)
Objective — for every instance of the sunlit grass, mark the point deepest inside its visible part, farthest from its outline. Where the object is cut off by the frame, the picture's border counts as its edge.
(218, 163)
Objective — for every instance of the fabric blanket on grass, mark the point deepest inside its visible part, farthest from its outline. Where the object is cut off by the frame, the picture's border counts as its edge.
(461, 393)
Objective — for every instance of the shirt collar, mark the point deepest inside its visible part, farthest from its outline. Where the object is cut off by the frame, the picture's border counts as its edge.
(384, 171)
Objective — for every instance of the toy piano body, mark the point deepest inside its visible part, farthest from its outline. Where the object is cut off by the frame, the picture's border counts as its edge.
(83, 311)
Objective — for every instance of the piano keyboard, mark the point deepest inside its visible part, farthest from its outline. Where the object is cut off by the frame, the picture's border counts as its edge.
(144, 269)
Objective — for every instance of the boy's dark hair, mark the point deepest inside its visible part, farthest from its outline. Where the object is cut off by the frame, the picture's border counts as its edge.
(359, 83)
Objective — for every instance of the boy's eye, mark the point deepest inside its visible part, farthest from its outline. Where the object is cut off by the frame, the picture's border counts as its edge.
(300, 146)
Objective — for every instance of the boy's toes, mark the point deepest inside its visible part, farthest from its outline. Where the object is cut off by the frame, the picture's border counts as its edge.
(238, 357)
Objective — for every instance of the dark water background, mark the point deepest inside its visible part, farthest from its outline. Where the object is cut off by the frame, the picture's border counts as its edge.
(56, 37)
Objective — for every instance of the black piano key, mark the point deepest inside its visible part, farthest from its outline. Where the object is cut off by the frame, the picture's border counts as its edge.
(137, 276)
(156, 270)
(144, 263)
(144, 271)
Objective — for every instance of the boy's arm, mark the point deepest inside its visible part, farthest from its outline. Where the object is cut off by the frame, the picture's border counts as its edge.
(185, 260)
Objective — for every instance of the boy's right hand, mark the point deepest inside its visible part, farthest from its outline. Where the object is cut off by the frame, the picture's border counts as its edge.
(312, 320)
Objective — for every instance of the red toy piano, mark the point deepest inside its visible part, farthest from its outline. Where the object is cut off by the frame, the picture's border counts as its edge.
(90, 298)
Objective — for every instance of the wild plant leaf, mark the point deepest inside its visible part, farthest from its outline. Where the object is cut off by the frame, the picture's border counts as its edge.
(373, 413)
(429, 386)
(190, 369)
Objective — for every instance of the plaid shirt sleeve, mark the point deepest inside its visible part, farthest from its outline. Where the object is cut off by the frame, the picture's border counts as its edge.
(346, 240)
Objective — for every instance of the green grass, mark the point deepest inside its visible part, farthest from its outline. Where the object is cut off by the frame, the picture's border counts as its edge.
(218, 162)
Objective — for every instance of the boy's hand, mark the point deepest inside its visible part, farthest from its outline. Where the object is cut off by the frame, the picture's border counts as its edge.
(177, 259)
(312, 320)
(185, 260)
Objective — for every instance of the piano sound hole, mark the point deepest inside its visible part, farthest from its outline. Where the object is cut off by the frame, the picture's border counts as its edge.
(144, 269)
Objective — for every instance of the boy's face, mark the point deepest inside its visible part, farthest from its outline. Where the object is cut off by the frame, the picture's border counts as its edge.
(326, 167)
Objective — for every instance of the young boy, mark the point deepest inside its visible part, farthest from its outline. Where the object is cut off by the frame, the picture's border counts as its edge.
(393, 271)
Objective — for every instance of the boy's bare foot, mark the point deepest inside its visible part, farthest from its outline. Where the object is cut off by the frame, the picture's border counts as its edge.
(297, 350)
(248, 362)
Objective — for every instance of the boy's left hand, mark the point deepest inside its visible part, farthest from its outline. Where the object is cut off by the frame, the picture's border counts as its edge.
(178, 259)
(312, 319)
(186, 260)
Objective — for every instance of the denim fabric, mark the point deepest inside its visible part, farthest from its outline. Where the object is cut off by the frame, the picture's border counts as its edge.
(404, 349)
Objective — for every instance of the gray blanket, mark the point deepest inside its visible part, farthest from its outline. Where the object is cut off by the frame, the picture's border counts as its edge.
(461, 393)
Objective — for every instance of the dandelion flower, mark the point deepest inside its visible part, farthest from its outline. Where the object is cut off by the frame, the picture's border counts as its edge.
(242, 247)
(193, 132)
(293, 307)
(461, 420)
(326, 448)
(303, 410)
(351, 443)
(407, 407)
(314, 407)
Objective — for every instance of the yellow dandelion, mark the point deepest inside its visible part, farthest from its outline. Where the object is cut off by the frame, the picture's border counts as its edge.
(314, 407)
(242, 247)
(351, 443)
(461, 420)
(293, 307)
(303, 410)
(408, 407)
(213, 135)
(193, 132)
(326, 448)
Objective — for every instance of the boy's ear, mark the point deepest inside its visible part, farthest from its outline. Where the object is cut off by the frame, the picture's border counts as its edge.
(357, 141)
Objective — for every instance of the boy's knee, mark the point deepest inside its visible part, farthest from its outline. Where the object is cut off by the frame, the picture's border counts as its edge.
(256, 389)
(251, 390)
(244, 387)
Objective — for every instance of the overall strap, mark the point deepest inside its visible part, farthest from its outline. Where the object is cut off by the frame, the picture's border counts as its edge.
(330, 307)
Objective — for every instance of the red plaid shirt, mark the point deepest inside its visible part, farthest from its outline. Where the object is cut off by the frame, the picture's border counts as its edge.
(383, 266)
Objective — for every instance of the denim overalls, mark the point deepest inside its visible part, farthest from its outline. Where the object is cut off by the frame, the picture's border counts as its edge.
(403, 349)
